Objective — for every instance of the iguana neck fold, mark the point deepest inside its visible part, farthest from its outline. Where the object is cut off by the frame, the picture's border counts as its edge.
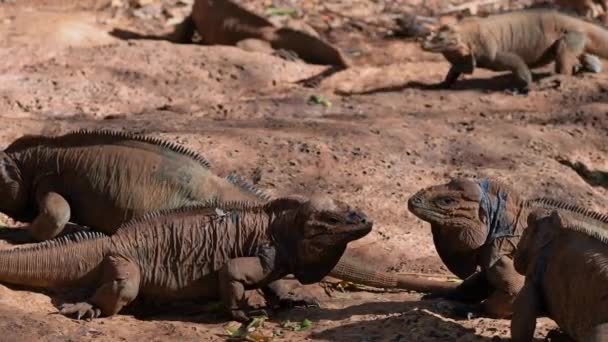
(494, 206)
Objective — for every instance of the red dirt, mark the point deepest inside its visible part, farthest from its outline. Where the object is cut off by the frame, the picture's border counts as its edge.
(384, 137)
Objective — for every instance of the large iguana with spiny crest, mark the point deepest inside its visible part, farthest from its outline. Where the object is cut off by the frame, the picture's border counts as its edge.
(190, 252)
(518, 41)
(102, 179)
(564, 257)
(477, 224)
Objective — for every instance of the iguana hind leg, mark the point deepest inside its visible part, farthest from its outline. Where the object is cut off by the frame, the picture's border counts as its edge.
(568, 49)
(119, 286)
(53, 215)
(526, 308)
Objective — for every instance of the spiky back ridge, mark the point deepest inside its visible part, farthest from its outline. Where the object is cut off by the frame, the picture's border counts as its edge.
(75, 138)
(577, 218)
(209, 208)
(244, 185)
(58, 242)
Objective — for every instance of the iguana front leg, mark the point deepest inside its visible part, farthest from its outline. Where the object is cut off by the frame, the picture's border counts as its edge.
(526, 309)
(568, 50)
(119, 286)
(451, 77)
(506, 283)
(53, 215)
(511, 61)
(278, 291)
(236, 276)
(473, 289)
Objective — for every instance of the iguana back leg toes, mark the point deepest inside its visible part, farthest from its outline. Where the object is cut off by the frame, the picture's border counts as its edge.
(590, 63)
(54, 214)
(82, 310)
(119, 287)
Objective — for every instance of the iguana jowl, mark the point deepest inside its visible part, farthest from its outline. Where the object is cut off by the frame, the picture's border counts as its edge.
(518, 41)
(193, 252)
(564, 257)
(477, 224)
(102, 179)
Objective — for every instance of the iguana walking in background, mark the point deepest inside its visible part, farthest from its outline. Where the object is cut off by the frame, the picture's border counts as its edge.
(102, 179)
(205, 252)
(477, 224)
(565, 259)
(518, 41)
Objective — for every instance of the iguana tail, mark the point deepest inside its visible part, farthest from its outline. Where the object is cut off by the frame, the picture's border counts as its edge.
(65, 261)
(350, 269)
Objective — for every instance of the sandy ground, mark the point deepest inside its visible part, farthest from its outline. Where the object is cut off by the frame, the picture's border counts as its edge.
(384, 137)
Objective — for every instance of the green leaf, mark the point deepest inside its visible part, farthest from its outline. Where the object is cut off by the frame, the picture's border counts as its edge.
(273, 10)
(320, 100)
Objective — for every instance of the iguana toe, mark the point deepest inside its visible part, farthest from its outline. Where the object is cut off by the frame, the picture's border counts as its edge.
(82, 310)
(298, 301)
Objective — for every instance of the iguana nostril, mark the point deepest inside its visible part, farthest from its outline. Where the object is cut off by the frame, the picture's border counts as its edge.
(354, 216)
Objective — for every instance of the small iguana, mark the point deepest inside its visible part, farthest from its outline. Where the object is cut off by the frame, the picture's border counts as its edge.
(192, 252)
(477, 224)
(518, 41)
(102, 179)
(565, 259)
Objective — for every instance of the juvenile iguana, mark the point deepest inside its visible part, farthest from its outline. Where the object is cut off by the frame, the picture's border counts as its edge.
(102, 179)
(518, 41)
(477, 224)
(198, 251)
(565, 259)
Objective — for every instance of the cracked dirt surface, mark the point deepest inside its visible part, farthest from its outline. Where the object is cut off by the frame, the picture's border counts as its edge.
(384, 136)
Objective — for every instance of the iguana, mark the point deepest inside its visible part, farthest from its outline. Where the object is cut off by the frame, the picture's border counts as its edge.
(565, 259)
(190, 252)
(226, 22)
(518, 41)
(102, 179)
(477, 224)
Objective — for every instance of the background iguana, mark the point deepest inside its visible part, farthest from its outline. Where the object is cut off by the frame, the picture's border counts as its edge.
(102, 179)
(565, 259)
(198, 251)
(518, 41)
(477, 224)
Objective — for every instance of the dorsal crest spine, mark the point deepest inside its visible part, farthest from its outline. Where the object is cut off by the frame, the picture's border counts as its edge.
(70, 138)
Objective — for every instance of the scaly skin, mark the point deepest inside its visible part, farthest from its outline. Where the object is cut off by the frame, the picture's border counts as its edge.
(228, 23)
(102, 179)
(518, 41)
(565, 259)
(193, 252)
(478, 224)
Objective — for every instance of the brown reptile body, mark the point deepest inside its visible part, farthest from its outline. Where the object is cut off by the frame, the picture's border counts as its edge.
(518, 41)
(226, 22)
(102, 179)
(192, 252)
(564, 257)
(477, 224)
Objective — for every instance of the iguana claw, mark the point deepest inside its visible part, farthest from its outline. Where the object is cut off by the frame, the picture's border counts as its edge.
(81, 310)
(293, 301)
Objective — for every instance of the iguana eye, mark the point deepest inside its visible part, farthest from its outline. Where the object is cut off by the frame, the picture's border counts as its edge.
(446, 201)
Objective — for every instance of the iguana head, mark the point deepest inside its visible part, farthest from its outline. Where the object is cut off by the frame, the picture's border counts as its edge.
(13, 193)
(542, 228)
(446, 39)
(322, 229)
(467, 213)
